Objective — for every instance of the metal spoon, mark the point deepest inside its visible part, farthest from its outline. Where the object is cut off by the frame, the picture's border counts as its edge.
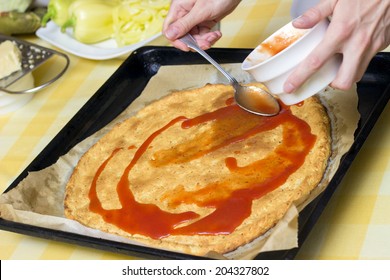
(250, 98)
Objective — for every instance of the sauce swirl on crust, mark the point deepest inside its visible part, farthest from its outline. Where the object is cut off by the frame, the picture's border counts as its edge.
(230, 199)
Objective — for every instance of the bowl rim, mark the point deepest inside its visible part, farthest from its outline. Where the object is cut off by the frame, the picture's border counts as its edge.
(273, 57)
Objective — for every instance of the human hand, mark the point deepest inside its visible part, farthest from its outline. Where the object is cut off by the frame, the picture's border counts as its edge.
(358, 30)
(196, 17)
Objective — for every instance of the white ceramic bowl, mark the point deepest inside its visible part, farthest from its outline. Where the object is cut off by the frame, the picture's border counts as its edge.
(276, 57)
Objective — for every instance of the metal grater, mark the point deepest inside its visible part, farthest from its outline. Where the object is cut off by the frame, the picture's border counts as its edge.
(32, 56)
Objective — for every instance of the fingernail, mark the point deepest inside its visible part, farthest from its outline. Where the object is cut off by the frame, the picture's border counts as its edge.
(300, 20)
(214, 37)
(172, 33)
(289, 88)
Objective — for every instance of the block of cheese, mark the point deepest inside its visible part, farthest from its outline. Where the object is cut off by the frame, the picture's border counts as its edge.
(10, 59)
(10, 62)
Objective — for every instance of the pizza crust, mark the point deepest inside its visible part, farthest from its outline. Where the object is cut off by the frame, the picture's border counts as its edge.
(154, 181)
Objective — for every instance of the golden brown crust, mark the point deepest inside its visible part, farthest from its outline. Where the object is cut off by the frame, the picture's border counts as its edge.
(151, 185)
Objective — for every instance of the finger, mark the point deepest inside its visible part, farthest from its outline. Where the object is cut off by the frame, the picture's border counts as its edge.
(351, 70)
(170, 17)
(175, 12)
(328, 47)
(180, 45)
(185, 24)
(175, 31)
(314, 15)
(206, 40)
(310, 65)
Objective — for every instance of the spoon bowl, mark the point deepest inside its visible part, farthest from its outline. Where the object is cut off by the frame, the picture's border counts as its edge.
(250, 98)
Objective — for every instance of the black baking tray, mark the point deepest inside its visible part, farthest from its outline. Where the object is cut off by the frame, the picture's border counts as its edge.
(129, 81)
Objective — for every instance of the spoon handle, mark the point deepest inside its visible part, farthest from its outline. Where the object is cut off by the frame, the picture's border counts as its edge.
(191, 43)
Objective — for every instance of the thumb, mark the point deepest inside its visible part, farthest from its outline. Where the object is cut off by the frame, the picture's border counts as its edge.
(181, 26)
(314, 15)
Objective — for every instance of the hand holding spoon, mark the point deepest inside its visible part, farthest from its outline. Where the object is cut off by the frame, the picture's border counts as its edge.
(250, 98)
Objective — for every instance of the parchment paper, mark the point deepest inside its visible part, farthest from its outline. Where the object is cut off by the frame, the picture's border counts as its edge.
(38, 199)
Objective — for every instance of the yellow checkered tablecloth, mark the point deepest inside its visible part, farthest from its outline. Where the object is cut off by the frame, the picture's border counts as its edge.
(354, 225)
